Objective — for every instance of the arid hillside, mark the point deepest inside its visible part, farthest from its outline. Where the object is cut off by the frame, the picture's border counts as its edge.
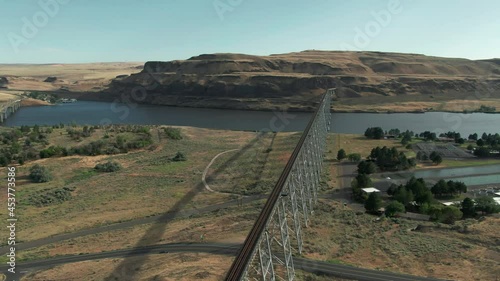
(63, 77)
(365, 81)
(296, 79)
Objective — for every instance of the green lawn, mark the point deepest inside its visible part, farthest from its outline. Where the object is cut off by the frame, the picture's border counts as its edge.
(471, 162)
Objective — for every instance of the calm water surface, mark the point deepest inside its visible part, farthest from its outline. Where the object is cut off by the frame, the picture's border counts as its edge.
(92, 113)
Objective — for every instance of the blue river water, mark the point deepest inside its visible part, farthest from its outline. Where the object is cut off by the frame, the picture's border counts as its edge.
(93, 113)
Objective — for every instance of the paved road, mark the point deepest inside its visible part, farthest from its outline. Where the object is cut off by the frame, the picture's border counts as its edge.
(347, 172)
(153, 219)
(318, 267)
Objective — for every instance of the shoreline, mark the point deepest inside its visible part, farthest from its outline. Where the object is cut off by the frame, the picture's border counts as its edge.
(29, 102)
(250, 104)
(33, 102)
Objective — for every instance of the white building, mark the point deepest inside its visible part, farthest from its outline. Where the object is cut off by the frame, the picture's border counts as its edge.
(369, 190)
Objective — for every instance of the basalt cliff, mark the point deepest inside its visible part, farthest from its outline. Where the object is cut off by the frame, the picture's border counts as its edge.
(295, 81)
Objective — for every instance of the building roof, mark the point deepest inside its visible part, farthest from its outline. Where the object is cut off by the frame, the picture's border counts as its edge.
(497, 199)
(370, 189)
(497, 193)
(451, 203)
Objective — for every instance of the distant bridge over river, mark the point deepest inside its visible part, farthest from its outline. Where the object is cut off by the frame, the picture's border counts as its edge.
(7, 108)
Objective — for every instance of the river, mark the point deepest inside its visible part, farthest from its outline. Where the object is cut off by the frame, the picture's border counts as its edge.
(92, 113)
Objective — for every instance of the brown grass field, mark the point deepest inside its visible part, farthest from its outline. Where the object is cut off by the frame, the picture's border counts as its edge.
(148, 184)
(73, 77)
(442, 251)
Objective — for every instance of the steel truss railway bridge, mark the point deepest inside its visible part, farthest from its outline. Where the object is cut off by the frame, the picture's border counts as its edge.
(267, 253)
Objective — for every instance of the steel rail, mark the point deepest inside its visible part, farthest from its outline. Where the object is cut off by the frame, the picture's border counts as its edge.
(242, 261)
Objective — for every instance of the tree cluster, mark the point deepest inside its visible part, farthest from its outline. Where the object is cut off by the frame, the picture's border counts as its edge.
(485, 108)
(428, 136)
(374, 133)
(414, 190)
(455, 136)
(436, 158)
(367, 167)
(390, 159)
(448, 188)
(445, 214)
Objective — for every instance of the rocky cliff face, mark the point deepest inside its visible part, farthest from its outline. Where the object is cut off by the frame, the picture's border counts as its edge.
(3, 82)
(295, 80)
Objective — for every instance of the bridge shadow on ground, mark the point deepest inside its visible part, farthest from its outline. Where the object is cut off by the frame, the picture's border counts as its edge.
(257, 171)
(130, 266)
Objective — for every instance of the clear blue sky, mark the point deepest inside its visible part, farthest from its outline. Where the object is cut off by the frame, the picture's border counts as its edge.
(141, 30)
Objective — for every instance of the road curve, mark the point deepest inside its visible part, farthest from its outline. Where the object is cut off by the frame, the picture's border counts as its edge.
(318, 267)
(117, 226)
(203, 177)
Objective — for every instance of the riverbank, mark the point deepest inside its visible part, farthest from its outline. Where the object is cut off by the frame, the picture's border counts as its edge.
(34, 102)
(401, 104)
(387, 105)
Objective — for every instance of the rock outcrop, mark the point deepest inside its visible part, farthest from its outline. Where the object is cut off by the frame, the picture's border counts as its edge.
(295, 80)
(3, 82)
(50, 79)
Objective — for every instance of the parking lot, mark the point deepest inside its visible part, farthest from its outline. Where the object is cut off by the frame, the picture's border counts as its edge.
(446, 150)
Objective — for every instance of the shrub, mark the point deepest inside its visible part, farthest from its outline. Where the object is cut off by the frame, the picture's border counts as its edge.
(393, 208)
(179, 157)
(354, 157)
(108, 167)
(173, 133)
(39, 174)
(50, 197)
(51, 151)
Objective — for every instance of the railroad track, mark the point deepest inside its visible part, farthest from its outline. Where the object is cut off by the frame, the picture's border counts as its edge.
(244, 256)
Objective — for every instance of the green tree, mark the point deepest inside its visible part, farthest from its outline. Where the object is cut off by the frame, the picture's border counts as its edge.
(433, 155)
(440, 188)
(39, 174)
(480, 142)
(393, 208)
(367, 167)
(450, 214)
(392, 189)
(487, 205)
(404, 196)
(363, 181)
(437, 160)
(468, 208)
(374, 133)
(354, 157)
(341, 154)
(373, 203)
(406, 139)
(482, 152)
